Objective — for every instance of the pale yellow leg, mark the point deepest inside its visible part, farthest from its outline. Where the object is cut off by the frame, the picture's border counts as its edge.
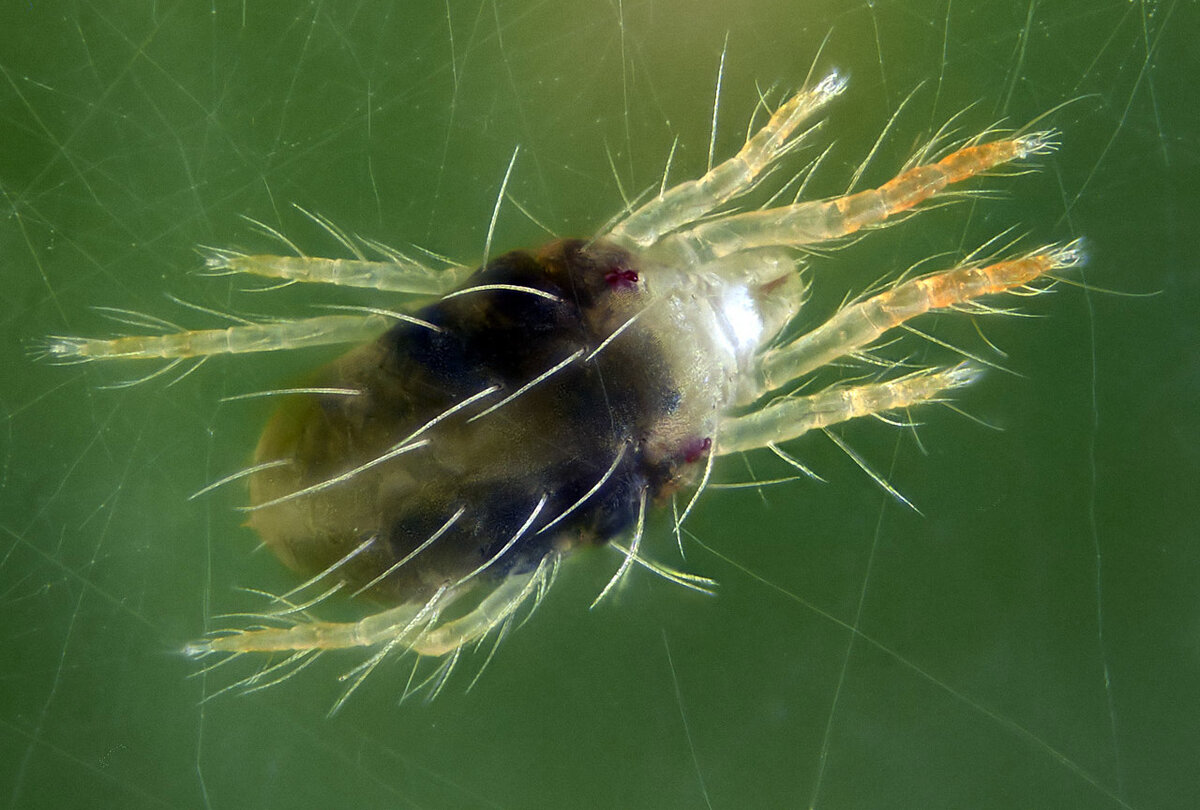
(397, 275)
(254, 337)
(794, 416)
(314, 635)
(821, 220)
(691, 201)
(857, 325)
(413, 627)
(496, 609)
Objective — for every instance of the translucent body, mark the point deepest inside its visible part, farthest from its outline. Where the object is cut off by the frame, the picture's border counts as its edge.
(445, 467)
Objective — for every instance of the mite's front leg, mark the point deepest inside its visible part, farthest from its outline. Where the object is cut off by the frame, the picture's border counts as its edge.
(808, 223)
(856, 326)
(694, 199)
(793, 416)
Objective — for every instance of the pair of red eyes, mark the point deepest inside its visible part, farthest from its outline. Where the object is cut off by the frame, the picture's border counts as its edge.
(620, 278)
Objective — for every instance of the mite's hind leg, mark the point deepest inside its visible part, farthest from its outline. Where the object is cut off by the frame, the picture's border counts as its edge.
(857, 325)
(794, 416)
(408, 627)
(407, 621)
(251, 337)
(397, 274)
(821, 220)
(495, 610)
(690, 201)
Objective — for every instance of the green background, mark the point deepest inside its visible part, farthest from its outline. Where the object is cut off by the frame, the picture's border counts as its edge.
(1031, 640)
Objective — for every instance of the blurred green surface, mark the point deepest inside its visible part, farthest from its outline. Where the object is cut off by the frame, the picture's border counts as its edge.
(1030, 640)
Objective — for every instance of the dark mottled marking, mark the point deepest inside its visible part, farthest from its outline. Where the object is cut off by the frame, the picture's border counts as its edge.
(556, 440)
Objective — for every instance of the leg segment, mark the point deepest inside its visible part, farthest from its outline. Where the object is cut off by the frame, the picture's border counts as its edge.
(254, 337)
(411, 626)
(688, 202)
(794, 416)
(821, 220)
(399, 274)
(497, 608)
(314, 635)
(858, 325)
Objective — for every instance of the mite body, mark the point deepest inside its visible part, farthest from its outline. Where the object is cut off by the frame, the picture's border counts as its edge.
(502, 407)
(545, 402)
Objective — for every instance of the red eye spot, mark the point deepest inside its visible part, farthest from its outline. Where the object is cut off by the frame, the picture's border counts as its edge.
(620, 278)
(696, 449)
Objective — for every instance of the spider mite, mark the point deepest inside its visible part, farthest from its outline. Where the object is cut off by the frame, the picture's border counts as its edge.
(447, 465)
